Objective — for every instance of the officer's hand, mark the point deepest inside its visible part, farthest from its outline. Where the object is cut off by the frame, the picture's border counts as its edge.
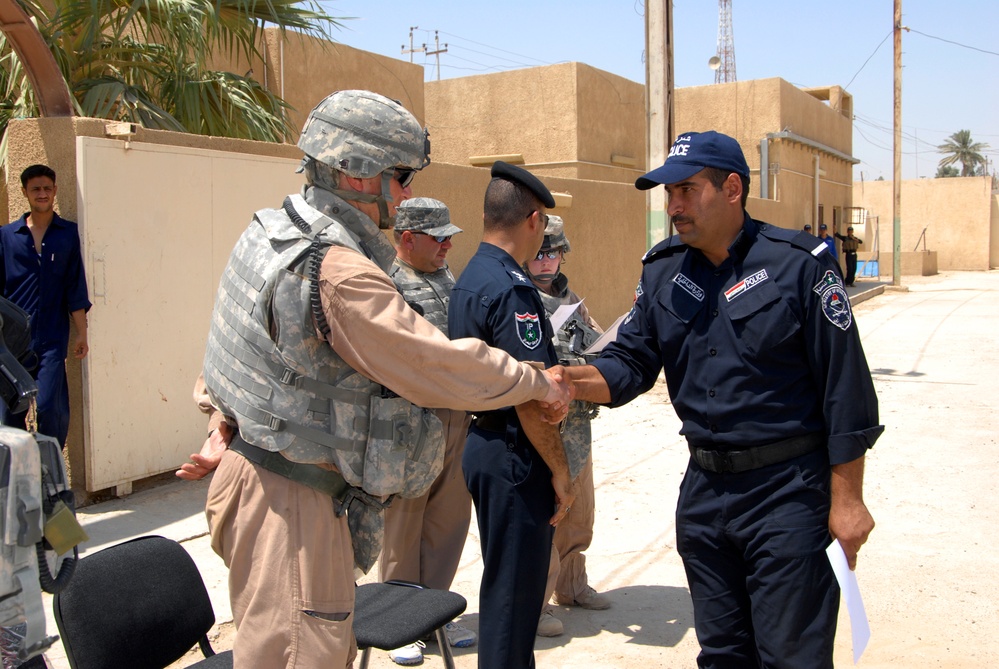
(565, 495)
(210, 456)
(560, 393)
(851, 523)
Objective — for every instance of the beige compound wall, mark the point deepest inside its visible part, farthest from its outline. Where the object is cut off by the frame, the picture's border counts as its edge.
(959, 216)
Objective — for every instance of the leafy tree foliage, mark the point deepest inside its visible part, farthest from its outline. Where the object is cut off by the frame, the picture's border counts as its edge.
(960, 148)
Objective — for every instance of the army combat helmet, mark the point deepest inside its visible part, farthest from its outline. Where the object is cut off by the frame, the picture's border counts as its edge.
(555, 239)
(364, 134)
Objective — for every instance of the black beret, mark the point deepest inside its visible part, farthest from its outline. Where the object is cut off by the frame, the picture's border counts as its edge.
(519, 175)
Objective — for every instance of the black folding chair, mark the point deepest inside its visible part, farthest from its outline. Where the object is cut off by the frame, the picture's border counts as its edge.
(140, 604)
(396, 613)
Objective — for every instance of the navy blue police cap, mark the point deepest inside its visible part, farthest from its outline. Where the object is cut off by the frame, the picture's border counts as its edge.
(519, 175)
(691, 153)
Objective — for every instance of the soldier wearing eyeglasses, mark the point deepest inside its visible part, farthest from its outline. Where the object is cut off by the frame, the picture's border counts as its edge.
(567, 579)
(425, 535)
(319, 366)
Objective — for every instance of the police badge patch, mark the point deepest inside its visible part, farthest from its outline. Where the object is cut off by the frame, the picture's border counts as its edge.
(835, 301)
(528, 329)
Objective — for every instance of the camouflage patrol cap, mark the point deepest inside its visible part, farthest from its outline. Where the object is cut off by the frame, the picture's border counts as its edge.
(555, 235)
(426, 215)
(362, 134)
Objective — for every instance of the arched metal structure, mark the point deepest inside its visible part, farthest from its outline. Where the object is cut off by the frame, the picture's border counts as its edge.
(43, 72)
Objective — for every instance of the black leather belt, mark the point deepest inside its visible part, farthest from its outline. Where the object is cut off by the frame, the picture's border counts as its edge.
(735, 462)
(492, 421)
(326, 481)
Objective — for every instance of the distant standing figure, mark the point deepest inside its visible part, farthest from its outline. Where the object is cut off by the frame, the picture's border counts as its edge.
(808, 228)
(850, 244)
(829, 240)
(41, 271)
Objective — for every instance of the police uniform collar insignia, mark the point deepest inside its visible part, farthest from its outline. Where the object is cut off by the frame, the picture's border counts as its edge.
(744, 285)
(688, 285)
(835, 301)
(528, 329)
(518, 276)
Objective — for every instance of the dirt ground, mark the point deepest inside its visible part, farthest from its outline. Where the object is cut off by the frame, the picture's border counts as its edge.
(929, 573)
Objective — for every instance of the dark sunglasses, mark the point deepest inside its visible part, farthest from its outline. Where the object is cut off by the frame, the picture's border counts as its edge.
(404, 175)
(440, 239)
(551, 253)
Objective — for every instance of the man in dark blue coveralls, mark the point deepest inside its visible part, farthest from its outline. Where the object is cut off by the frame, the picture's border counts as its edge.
(765, 368)
(41, 271)
(514, 463)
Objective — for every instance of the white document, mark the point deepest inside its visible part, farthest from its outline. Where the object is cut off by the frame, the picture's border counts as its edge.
(851, 596)
(609, 335)
(562, 314)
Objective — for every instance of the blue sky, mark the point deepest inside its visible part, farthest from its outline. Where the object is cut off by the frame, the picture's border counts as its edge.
(946, 85)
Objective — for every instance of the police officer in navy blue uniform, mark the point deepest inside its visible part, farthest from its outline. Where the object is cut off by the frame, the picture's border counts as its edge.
(765, 369)
(514, 463)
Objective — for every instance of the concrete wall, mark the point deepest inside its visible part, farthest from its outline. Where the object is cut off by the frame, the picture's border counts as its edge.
(959, 215)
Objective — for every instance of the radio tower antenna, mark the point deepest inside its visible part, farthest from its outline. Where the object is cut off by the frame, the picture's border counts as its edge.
(726, 44)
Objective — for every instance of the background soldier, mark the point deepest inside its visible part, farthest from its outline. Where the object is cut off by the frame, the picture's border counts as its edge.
(424, 535)
(567, 579)
(308, 335)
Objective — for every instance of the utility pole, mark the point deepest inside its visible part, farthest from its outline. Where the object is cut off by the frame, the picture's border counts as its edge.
(658, 108)
(411, 50)
(436, 53)
(896, 270)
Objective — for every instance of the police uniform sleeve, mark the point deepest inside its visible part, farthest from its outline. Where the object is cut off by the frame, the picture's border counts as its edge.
(76, 280)
(378, 334)
(631, 363)
(836, 356)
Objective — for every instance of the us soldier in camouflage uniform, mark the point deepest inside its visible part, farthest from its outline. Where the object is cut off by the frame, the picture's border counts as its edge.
(311, 352)
(567, 579)
(424, 535)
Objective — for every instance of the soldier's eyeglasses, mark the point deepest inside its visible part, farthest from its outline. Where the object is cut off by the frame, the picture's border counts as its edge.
(404, 175)
(550, 253)
(440, 239)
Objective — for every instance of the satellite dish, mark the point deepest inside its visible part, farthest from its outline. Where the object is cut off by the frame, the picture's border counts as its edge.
(714, 62)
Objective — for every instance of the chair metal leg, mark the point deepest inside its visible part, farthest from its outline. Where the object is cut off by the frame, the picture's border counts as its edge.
(445, 648)
(365, 656)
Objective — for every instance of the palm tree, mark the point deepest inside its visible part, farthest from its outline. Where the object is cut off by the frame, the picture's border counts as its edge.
(962, 150)
(148, 62)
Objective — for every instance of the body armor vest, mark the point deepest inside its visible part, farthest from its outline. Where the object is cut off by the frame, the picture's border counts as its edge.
(267, 366)
(570, 342)
(427, 292)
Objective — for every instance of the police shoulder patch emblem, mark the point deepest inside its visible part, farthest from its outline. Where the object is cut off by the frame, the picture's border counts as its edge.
(835, 301)
(528, 329)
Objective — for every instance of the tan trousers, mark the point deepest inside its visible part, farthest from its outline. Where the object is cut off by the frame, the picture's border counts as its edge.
(291, 569)
(567, 568)
(424, 536)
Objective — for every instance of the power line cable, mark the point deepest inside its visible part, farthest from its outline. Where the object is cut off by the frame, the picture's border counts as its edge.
(869, 58)
(966, 46)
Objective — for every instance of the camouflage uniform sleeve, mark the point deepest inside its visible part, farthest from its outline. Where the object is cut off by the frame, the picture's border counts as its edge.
(378, 334)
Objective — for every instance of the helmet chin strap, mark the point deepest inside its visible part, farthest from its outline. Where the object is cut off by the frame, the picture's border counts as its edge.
(385, 222)
(545, 279)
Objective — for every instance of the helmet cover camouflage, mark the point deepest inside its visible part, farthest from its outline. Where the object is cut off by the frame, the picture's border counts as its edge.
(555, 235)
(425, 214)
(362, 134)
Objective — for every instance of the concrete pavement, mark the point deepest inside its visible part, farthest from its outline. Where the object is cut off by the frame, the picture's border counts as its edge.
(928, 574)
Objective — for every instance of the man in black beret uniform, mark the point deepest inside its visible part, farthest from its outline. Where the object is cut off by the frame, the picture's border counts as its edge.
(514, 464)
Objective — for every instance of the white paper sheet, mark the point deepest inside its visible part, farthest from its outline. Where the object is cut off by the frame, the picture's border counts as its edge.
(859, 625)
(562, 314)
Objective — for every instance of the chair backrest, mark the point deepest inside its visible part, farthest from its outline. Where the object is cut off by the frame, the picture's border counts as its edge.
(140, 604)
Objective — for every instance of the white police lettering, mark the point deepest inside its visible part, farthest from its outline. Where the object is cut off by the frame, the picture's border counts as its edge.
(744, 285)
(679, 149)
(835, 301)
(689, 286)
